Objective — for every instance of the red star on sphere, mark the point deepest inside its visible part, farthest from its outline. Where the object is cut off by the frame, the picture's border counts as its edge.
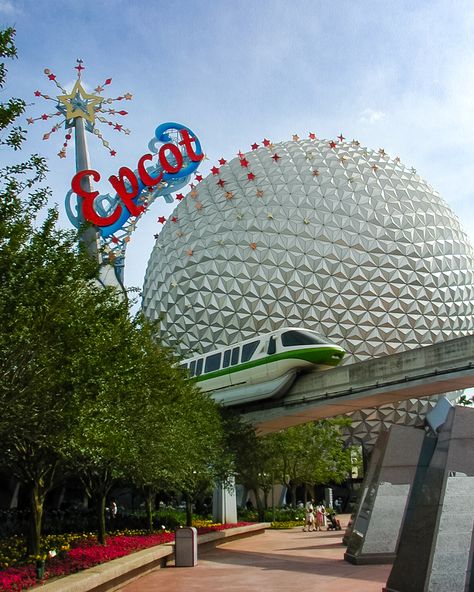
(161, 219)
(240, 154)
(266, 142)
(244, 162)
(112, 153)
(276, 158)
(180, 196)
(222, 161)
(37, 93)
(250, 176)
(198, 178)
(341, 137)
(215, 170)
(221, 182)
(255, 146)
(52, 77)
(118, 127)
(174, 219)
(312, 136)
(332, 144)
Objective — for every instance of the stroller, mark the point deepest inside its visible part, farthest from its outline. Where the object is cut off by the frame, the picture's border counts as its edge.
(333, 522)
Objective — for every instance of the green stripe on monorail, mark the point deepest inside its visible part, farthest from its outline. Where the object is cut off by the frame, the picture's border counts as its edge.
(315, 356)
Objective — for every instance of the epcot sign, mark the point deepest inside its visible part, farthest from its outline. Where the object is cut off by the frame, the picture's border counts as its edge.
(172, 164)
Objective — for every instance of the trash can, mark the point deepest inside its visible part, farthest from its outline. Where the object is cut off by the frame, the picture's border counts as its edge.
(185, 548)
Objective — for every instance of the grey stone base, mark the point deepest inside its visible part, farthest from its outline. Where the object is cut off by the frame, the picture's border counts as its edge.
(370, 558)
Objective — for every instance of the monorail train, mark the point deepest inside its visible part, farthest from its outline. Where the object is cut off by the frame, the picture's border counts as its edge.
(262, 367)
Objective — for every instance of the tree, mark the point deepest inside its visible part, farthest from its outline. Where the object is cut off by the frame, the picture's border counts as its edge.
(311, 453)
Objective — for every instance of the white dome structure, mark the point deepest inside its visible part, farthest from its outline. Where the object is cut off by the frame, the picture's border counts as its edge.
(320, 234)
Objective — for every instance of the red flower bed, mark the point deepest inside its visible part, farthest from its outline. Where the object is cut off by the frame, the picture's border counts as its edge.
(89, 553)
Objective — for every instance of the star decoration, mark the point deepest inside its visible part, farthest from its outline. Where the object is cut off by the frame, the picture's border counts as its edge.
(198, 178)
(397, 159)
(355, 143)
(215, 170)
(229, 195)
(80, 104)
(332, 144)
(174, 219)
(239, 216)
(189, 253)
(266, 142)
(179, 233)
(155, 236)
(250, 176)
(315, 173)
(276, 158)
(198, 205)
(382, 152)
(295, 137)
(244, 162)
(259, 193)
(221, 182)
(305, 221)
(413, 170)
(222, 161)
(179, 196)
(255, 146)
(341, 138)
(127, 96)
(312, 136)
(375, 168)
(240, 154)
(270, 216)
(193, 193)
(161, 219)
(174, 284)
(253, 246)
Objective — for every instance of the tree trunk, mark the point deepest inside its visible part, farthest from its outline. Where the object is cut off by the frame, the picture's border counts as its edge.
(149, 498)
(41, 484)
(293, 495)
(101, 518)
(36, 508)
(189, 511)
(258, 501)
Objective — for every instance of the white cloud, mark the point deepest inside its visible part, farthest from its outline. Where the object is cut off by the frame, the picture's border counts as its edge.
(7, 7)
(371, 116)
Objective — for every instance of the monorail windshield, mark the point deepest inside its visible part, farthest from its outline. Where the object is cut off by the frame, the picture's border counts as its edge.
(292, 338)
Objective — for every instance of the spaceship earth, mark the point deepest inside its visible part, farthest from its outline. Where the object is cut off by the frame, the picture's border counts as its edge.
(322, 234)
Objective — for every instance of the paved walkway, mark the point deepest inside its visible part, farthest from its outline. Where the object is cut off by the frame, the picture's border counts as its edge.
(278, 560)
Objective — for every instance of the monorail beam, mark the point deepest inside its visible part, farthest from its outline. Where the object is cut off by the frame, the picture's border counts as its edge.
(416, 373)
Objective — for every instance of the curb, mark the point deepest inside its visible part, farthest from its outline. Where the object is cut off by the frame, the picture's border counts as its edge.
(109, 576)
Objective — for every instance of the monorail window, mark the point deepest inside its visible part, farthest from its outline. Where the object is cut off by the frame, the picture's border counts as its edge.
(212, 363)
(235, 356)
(192, 368)
(226, 359)
(199, 367)
(292, 338)
(271, 346)
(248, 350)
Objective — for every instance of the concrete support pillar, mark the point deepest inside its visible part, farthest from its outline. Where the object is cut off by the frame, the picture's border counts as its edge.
(435, 553)
(224, 504)
(379, 517)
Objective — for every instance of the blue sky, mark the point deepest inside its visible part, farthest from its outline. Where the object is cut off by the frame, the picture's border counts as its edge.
(397, 75)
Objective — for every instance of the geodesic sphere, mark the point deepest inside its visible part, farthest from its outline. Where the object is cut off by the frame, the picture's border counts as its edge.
(328, 236)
